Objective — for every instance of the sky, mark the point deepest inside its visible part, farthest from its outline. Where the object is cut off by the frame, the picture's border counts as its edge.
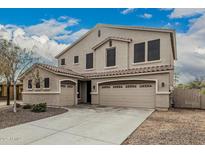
(48, 31)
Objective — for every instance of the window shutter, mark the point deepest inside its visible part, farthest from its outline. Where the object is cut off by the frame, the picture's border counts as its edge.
(38, 83)
(154, 50)
(29, 84)
(76, 60)
(89, 60)
(46, 83)
(63, 61)
(139, 52)
(111, 57)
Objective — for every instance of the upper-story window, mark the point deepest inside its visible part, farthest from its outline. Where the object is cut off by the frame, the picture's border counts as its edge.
(46, 82)
(63, 61)
(89, 60)
(154, 50)
(139, 52)
(111, 57)
(38, 85)
(99, 33)
(76, 59)
(29, 84)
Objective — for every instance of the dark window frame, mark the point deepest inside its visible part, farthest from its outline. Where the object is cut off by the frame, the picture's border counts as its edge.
(63, 61)
(30, 84)
(46, 82)
(38, 84)
(109, 64)
(76, 61)
(89, 65)
(136, 58)
(151, 56)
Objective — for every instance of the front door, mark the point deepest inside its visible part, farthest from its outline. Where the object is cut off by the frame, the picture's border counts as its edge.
(88, 92)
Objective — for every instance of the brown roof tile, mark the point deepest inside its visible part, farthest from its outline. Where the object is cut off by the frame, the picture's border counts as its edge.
(129, 71)
(114, 73)
(58, 69)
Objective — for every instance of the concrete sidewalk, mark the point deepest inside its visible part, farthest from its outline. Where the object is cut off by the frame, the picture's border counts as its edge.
(89, 126)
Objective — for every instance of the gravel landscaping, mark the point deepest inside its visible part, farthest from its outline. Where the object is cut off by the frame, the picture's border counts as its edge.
(8, 118)
(177, 126)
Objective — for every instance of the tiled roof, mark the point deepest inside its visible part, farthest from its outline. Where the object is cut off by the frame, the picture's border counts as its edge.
(60, 70)
(130, 71)
(112, 38)
(113, 73)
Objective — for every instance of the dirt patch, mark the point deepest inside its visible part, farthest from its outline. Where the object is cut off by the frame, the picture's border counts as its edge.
(8, 118)
(177, 126)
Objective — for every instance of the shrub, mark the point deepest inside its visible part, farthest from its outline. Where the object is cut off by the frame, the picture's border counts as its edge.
(27, 106)
(18, 105)
(41, 107)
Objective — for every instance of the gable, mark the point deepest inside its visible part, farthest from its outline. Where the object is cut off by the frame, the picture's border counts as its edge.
(107, 30)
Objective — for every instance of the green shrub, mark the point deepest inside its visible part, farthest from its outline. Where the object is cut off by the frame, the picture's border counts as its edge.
(41, 107)
(18, 105)
(27, 106)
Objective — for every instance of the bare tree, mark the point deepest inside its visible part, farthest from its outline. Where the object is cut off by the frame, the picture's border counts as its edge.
(5, 71)
(19, 60)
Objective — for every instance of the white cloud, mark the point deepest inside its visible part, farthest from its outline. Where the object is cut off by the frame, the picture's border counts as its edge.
(184, 12)
(52, 27)
(127, 11)
(191, 51)
(43, 38)
(146, 16)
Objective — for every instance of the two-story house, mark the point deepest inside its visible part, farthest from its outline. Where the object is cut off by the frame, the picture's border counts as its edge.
(109, 65)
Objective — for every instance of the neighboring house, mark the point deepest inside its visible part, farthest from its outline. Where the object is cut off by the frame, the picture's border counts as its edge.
(109, 65)
(3, 91)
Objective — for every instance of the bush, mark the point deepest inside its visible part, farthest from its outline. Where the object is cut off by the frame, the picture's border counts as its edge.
(27, 106)
(18, 105)
(41, 107)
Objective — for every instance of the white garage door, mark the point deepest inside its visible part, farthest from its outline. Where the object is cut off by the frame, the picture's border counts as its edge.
(67, 95)
(129, 95)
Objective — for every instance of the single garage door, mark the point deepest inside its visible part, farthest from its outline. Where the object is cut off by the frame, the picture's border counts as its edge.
(67, 95)
(129, 94)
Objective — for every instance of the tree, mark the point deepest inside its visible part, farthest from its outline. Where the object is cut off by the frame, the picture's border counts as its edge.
(19, 60)
(5, 66)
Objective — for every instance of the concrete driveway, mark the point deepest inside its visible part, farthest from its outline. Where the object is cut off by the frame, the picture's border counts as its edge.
(81, 125)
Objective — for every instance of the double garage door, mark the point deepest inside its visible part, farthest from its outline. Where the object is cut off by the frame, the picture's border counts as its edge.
(127, 94)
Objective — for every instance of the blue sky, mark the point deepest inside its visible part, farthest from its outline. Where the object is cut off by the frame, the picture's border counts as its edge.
(89, 17)
(48, 31)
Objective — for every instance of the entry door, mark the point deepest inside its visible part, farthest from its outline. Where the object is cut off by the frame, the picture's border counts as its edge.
(88, 91)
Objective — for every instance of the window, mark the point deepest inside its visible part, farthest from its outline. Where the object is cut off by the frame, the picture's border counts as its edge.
(111, 57)
(76, 60)
(99, 33)
(38, 83)
(46, 83)
(154, 50)
(110, 43)
(89, 60)
(63, 61)
(139, 52)
(29, 84)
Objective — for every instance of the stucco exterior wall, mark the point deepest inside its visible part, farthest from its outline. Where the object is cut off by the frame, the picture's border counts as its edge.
(35, 98)
(85, 46)
(52, 95)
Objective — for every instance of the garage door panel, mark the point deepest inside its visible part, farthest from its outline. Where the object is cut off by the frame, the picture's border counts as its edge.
(67, 96)
(131, 97)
